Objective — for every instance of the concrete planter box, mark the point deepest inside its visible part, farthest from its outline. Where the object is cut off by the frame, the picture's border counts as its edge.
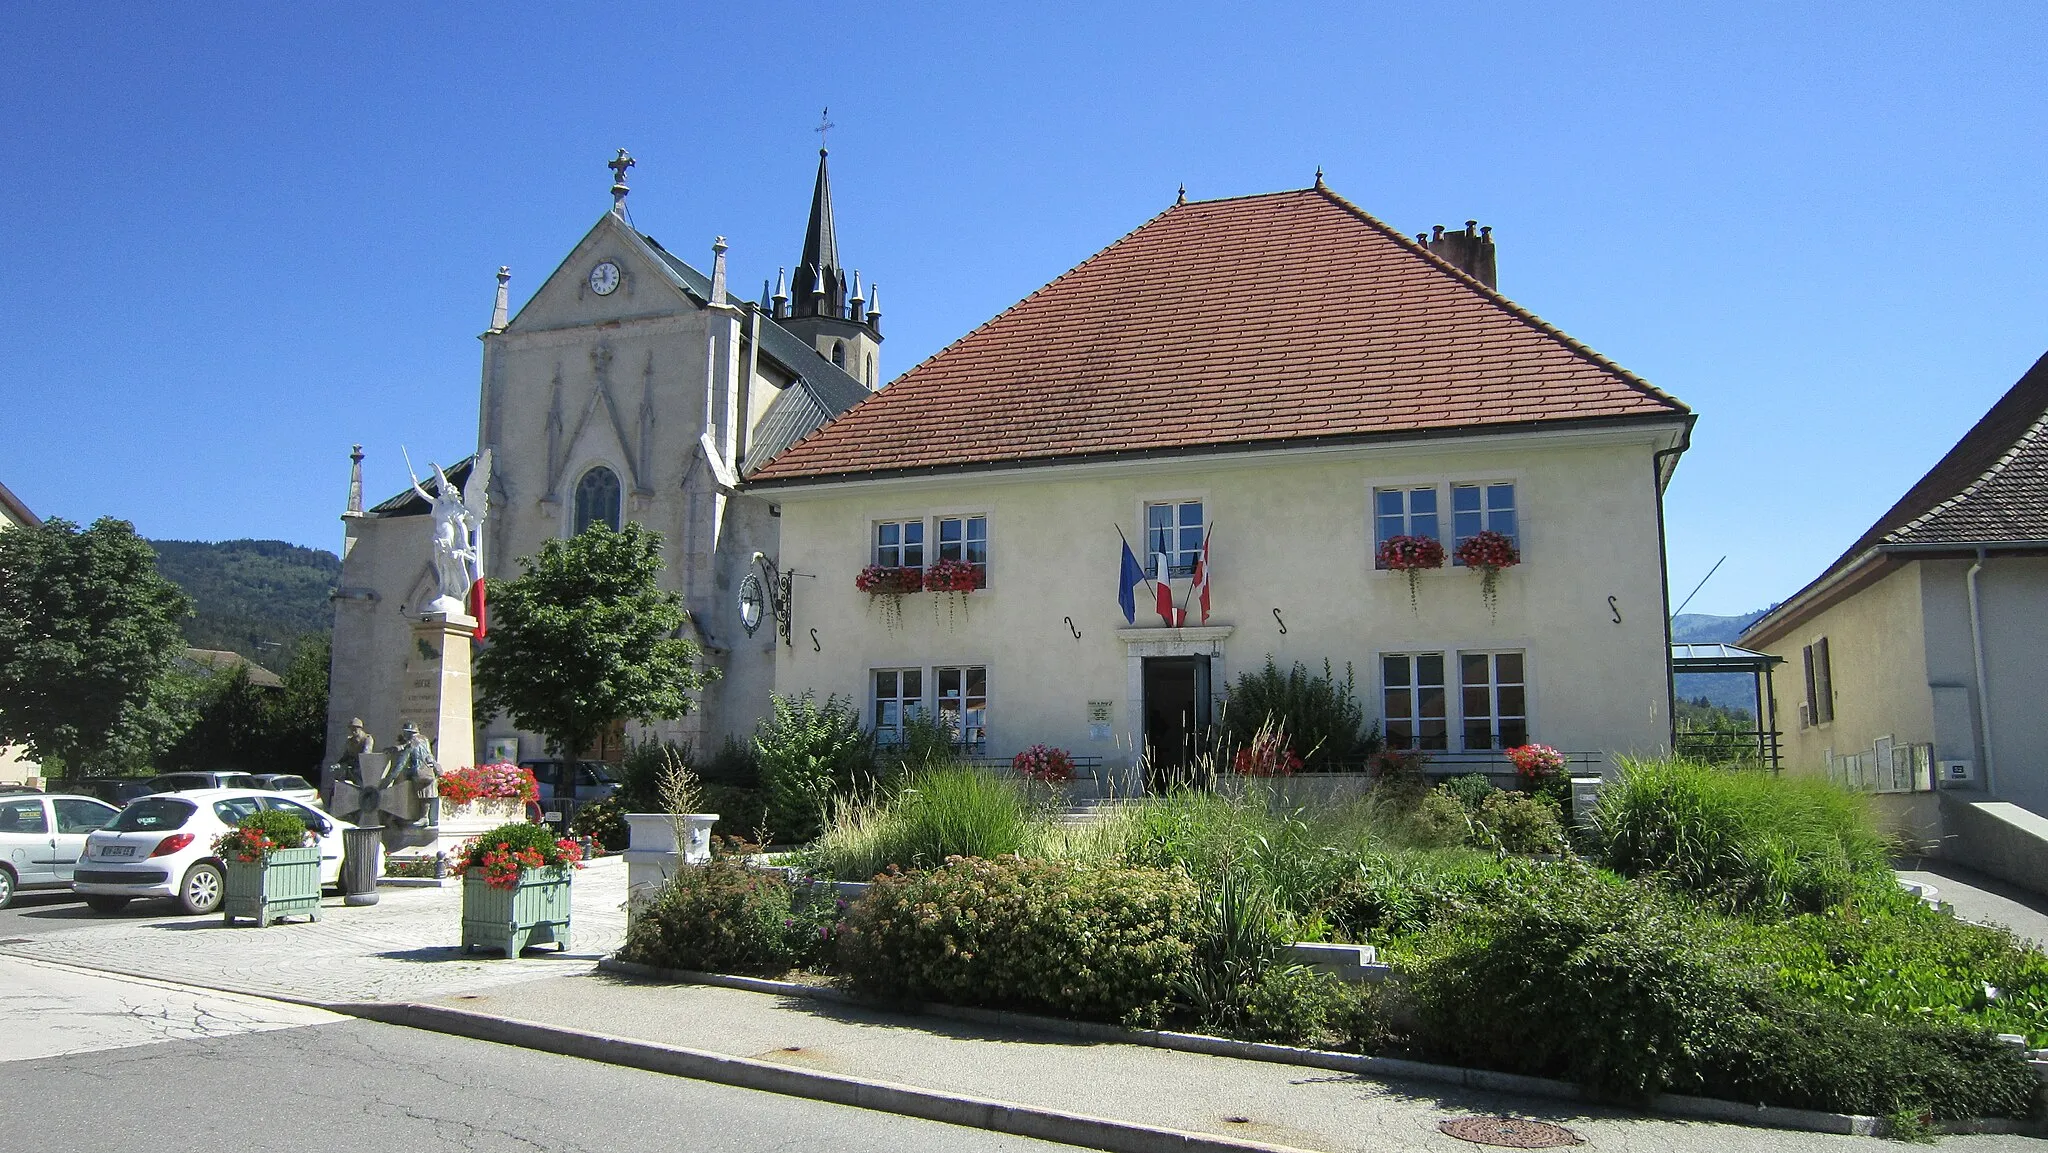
(286, 883)
(536, 912)
(461, 822)
(653, 855)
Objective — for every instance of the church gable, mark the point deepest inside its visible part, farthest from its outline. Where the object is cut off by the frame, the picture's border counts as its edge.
(610, 256)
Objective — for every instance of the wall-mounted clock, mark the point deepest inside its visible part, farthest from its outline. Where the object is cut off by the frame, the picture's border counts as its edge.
(604, 279)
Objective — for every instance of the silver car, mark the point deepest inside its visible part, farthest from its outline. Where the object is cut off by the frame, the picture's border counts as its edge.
(42, 838)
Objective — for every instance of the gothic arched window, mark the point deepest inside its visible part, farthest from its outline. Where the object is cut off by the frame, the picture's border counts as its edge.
(597, 499)
(839, 353)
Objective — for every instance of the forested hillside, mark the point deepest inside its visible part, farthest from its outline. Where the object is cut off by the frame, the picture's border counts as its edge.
(255, 597)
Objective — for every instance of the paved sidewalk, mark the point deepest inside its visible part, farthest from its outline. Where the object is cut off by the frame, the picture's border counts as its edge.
(52, 1011)
(1281, 1104)
(404, 948)
(1985, 900)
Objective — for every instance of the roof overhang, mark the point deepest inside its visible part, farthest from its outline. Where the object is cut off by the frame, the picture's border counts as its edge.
(16, 510)
(1864, 570)
(1666, 432)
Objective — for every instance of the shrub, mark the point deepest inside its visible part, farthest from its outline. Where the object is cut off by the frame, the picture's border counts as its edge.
(1045, 764)
(926, 742)
(1295, 1005)
(742, 812)
(1566, 974)
(726, 917)
(507, 851)
(940, 813)
(604, 822)
(1393, 895)
(809, 752)
(1745, 840)
(1091, 942)
(1470, 789)
(1321, 715)
(1518, 823)
(1440, 817)
(1237, 935)
(259, 834)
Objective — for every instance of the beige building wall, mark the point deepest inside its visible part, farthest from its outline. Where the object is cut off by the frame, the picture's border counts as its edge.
(1293, 536)
(1878, 653)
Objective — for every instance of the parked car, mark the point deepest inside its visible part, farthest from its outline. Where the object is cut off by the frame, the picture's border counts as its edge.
(592, 781)
(186, 782)
(41, 838)
(162, 846)
(10, 787)
(291, 785)
(116, 791)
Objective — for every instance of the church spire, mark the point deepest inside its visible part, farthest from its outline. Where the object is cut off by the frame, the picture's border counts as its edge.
(820, 282)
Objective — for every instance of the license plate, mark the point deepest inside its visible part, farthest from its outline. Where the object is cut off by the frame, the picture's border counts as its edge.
(117, 850)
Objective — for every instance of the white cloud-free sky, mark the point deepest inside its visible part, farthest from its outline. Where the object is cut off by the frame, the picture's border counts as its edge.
(238, 239)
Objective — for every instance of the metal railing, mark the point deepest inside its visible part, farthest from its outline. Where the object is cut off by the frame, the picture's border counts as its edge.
(1732, 746)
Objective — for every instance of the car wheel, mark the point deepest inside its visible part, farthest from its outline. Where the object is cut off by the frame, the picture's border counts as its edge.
(6, 886)
(105, 903)
(200, 892)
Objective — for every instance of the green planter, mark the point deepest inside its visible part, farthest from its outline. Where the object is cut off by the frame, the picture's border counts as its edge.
(284, 884)
(535, 913)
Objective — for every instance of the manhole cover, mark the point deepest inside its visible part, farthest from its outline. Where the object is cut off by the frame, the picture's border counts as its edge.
(1510, 1132)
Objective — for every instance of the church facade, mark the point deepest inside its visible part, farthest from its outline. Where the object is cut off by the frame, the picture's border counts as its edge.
(630, 387)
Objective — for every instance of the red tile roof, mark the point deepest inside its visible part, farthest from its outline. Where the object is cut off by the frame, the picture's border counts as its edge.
(1260, 320)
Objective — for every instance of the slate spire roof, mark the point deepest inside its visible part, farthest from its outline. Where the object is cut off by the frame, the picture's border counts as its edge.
(1264, 320)
(819, 266)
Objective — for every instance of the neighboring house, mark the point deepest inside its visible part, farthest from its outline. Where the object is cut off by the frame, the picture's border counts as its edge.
(212, 661)
(1914, 663)
(630, 387)
(15, 768)
(1296, 376)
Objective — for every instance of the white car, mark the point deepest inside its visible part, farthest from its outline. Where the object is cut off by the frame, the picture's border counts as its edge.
(291, 785)
(162, 846)
(41, 838)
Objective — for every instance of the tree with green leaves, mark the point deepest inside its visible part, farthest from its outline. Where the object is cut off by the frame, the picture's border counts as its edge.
(584, 637)
(88, 629)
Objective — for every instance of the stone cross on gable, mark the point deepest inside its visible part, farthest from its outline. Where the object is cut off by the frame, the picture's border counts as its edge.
(619, 166)
(825, 125)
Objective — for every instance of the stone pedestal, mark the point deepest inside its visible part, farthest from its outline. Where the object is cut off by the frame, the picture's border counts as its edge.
(653, 854)
(437, 689)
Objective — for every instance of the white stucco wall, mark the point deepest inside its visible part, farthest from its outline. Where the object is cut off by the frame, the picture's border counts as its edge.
(2013, 603)
(1292, 532)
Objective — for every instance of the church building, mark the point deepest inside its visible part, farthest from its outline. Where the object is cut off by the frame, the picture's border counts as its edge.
(630, 387)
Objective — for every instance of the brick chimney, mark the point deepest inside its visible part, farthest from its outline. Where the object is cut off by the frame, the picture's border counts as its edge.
(1471, 250)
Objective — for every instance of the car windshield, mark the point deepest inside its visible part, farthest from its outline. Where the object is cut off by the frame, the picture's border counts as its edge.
(180, 782)
(239, 781)
(593, 774)
(154, 814)
(290, 783)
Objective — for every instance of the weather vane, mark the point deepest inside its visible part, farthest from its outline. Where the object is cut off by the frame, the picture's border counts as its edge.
(824, 125)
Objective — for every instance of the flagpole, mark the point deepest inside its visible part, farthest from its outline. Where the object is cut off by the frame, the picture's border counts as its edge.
(1189, 599)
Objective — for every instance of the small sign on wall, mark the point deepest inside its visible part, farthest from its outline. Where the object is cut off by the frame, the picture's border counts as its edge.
(501, 751)
(1099, 719)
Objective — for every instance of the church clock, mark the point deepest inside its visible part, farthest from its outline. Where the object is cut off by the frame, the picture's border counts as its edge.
(604, 279)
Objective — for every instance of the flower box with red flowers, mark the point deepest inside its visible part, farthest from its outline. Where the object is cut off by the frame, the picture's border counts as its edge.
(1044, 763)
(272, 869)
(954, 576)
(502, 781)
(883, 580)
(515, 888)
(1409, 553)
(1536, 763)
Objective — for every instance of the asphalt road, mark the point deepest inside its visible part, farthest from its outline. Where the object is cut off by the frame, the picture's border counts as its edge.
(353, 1085)
(55, 910)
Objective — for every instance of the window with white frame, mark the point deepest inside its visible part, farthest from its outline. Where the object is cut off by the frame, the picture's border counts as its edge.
(899, 696)
(1407, 511)
(965, 538)
(1477, 508)
(1173, 530)
(899, 543)
(1412, 697)
(963, 704)
(1494, 700)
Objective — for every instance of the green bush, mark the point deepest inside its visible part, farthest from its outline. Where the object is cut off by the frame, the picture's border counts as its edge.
(1471, 789)
(1078, 941)
(946, 811)
(1394, 895)
(1567, 974)
(1440, 817)
(604, 822)
(1744, 840)
(809, 753)
(1236, 936)
(1518, 823)
(742, 812)
(725, 917)
(283, 829)
(1295, 1005)
(1320, 715)
(513, 837)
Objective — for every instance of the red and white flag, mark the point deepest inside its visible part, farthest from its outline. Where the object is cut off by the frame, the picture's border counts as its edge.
(477, 608)
(1198, 592)
(1163, 590)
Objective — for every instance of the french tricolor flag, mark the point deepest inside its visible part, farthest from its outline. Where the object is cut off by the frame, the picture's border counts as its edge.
(1163, 589)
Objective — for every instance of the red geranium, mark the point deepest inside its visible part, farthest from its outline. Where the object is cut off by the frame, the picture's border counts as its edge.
(1268, 756)
(880, 579)
(1411, 554)
(952, 576)
(1044, 763)
(500, 781)
(1489, 552)
(1536, 763)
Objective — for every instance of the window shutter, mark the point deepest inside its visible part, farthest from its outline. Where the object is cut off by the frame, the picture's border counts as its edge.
(1810, 715)
(1823, 680)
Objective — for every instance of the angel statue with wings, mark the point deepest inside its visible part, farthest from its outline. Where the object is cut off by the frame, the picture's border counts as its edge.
(458, 538)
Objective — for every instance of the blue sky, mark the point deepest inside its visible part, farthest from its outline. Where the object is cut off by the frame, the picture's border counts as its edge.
(239, 239)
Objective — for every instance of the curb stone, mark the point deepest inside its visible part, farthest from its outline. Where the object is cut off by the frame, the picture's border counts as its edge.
(1055, 1125)
(1669, 1105)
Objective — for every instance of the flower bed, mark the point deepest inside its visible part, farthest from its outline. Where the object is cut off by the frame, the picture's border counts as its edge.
(1045, 764)
(502, 781)
(515, 888)
(272, 869)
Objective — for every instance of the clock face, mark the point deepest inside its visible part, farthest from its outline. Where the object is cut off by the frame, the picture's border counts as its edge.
(751, 603)
(604, 279)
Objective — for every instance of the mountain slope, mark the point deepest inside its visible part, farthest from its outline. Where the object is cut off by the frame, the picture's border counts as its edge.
(1699, 628)
(255, 597)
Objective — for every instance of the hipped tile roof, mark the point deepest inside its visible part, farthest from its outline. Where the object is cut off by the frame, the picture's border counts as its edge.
(1258, 320)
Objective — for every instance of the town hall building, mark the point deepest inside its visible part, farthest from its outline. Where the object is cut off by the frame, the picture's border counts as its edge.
(630, 387)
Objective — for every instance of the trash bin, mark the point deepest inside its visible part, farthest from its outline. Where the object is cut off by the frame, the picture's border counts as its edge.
(361, 855)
